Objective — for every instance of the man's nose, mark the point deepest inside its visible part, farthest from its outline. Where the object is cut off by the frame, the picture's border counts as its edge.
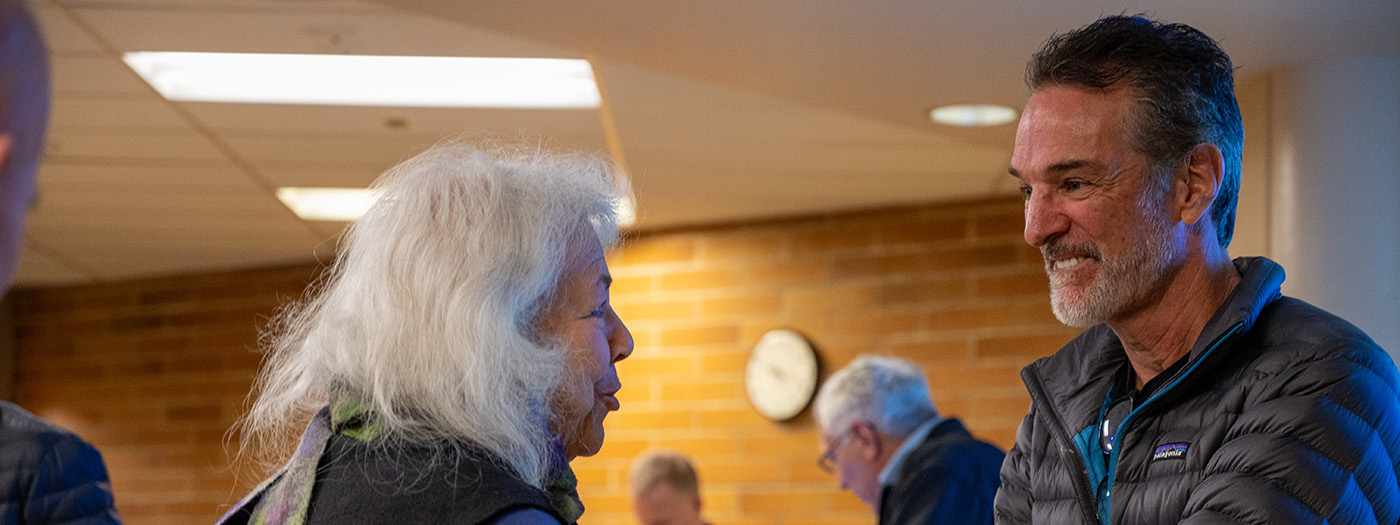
(1044, 220)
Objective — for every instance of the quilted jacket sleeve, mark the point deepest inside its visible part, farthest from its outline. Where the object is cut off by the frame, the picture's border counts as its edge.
(1319, 442)
(1013, 501)
(70, 485)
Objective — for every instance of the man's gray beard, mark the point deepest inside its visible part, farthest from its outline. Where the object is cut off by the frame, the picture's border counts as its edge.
(1121, 281)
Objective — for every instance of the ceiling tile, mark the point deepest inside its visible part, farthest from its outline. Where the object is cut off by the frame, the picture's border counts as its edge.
(167, 236)
(136, 265)
(703, 196)
(348, 176)
(74, 113)
(297, 27)
(95, 76)
(91, 208)
(261, 149)
(578, 129)
(107, 177)
(61, 35)
(37, 270)
(173, 145)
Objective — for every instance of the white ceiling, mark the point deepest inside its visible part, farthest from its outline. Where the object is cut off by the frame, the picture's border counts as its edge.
(725, 110)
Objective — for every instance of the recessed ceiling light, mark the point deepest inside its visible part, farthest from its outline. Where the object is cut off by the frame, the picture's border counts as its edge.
(327, 204)
(357, 80)
(969, 115)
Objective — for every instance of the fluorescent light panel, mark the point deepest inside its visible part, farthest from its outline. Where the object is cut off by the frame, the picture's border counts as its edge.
(970, 115)
(327, 204)
(357, 80)
(348, 204)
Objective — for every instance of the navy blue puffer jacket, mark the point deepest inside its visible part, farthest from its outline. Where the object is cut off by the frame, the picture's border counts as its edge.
(48, 475)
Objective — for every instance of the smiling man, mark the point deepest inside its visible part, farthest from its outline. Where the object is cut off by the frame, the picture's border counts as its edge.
(1199, 394)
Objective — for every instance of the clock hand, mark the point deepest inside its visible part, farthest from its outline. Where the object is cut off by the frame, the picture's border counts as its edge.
(775, 371)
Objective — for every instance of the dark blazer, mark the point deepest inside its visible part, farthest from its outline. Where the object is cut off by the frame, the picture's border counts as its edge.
(951, 478)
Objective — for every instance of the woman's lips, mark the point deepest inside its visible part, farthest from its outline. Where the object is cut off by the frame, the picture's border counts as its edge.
(610, 401)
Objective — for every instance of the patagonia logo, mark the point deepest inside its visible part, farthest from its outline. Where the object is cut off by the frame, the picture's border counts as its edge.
(1170, 451)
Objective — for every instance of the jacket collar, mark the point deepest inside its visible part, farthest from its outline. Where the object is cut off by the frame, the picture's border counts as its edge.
(1260, 282)
(1086, 364)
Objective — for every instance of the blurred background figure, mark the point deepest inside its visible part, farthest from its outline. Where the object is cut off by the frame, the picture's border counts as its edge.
(665, 490)
(47, 474)
(459, 354)
(24, 117)
(882, 437)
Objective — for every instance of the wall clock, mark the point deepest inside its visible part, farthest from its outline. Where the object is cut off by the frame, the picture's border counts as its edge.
(781, 374)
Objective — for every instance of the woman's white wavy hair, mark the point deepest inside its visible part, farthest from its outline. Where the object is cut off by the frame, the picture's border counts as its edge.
(428, 315)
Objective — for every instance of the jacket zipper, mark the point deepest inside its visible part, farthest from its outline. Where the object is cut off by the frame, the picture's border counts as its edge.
(1118, 434)
(1057, 429)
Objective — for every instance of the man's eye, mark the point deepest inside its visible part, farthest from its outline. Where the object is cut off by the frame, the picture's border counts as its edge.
(1025, 191)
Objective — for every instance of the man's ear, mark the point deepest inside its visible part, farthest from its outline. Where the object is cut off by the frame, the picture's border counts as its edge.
(865, 437)
(1198, 183)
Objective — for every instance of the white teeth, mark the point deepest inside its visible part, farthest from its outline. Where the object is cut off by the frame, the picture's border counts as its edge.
(1065, 264)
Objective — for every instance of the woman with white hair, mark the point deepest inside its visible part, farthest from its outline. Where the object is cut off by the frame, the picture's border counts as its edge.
(459, 353)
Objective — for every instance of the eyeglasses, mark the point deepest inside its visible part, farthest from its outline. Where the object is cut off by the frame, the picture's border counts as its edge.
(1112, 419)
(827, 460)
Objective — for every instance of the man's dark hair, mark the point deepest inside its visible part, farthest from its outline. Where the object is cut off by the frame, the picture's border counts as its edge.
(1184, 84)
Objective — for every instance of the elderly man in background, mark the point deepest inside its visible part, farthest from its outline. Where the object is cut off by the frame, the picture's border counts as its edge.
(47, 474)
(1200, 394)
(884, 440)
(459, 354)
(665, 490)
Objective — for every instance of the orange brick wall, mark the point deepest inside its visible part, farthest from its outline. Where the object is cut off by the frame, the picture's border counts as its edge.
(154, 372)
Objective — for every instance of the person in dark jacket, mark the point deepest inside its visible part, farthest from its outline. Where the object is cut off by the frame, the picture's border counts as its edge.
(1200, 394)
(47, 474)
(883, 439)
(460, 353)
(50, 475)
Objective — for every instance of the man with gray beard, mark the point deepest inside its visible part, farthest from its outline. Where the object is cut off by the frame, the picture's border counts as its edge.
(1199, 394)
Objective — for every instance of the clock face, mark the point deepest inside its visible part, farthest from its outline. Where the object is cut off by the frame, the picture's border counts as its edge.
(781, 375)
